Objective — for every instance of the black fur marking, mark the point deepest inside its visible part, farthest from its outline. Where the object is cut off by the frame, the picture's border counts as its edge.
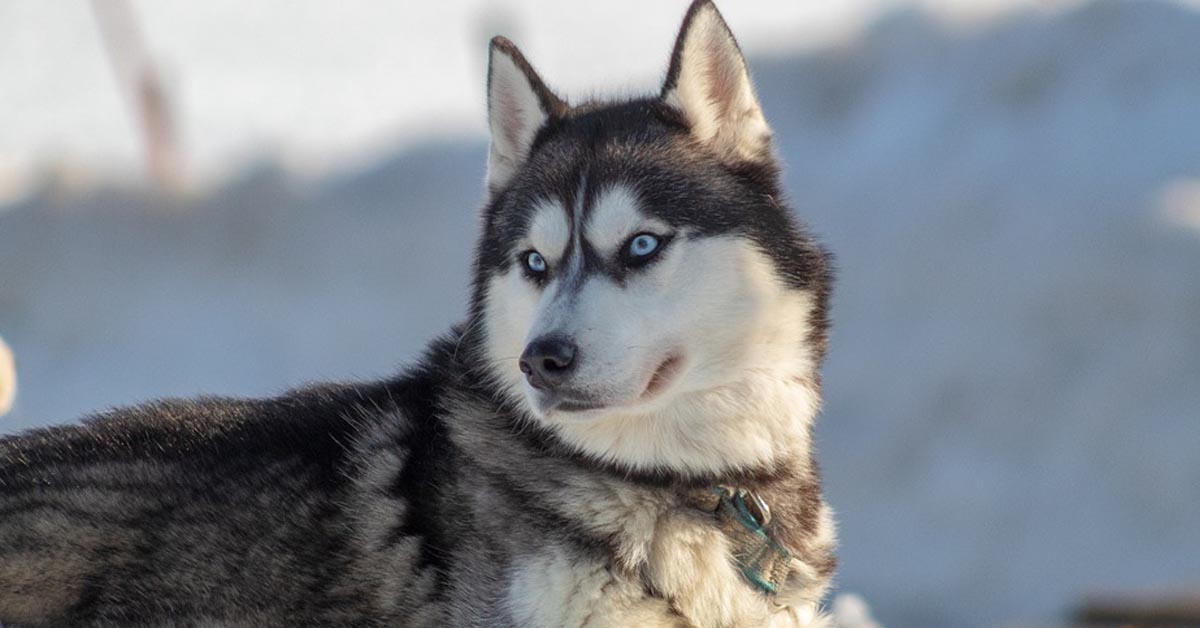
(420, 483)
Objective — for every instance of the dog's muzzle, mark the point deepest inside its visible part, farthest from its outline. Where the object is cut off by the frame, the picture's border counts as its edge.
(549, 361)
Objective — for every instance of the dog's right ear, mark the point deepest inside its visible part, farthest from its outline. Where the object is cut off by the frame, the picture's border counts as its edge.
(519, 105)
(708, 82)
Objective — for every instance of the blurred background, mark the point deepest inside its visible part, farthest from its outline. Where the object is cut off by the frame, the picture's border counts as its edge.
(231, 197)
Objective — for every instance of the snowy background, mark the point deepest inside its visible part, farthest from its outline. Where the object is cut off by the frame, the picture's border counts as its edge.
(1012, 191)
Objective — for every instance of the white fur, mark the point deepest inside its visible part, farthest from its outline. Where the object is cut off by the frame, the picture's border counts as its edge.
(511, 303)
(714, 92)
(549, 232)
(514, 117)
(615, 218)
(691, 564)
(557, 589)
(679, 554)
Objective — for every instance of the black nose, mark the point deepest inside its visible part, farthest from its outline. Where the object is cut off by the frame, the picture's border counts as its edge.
(548, 361)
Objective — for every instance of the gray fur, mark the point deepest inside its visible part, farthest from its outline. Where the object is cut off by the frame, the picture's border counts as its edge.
(289, 512)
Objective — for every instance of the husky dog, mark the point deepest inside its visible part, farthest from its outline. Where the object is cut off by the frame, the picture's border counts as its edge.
(619, 434)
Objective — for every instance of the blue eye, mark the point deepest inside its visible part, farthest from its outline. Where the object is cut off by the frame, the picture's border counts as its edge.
(535, 262)
(643, 244)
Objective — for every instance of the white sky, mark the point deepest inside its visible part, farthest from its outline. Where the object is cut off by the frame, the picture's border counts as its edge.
(316, 83)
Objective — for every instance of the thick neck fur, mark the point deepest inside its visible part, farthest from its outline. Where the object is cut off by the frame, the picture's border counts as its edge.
(771, 416)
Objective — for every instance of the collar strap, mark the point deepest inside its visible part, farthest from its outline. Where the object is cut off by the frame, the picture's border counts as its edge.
(746, 521)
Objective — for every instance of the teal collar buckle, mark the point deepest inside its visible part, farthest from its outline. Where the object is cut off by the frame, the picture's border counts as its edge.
(745, 518)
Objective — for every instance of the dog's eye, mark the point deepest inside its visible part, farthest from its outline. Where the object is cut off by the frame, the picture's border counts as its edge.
(535, 263)
(643, 244)
(642, 248)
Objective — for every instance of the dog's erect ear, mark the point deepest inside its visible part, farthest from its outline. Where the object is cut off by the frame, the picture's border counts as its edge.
(709, 83)
(519, 104)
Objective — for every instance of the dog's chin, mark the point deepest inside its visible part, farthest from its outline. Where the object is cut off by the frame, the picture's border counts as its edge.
(652, 392)
(558, 406)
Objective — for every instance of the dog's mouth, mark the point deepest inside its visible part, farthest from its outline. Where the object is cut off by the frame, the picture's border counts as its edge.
(662, 377)
(563, 401)
(570, 405)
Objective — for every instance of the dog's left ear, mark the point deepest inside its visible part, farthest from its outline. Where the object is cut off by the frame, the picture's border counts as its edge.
(709, 83)
(519, 105)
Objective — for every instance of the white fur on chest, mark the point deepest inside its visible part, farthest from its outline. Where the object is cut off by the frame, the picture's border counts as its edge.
(671, 568)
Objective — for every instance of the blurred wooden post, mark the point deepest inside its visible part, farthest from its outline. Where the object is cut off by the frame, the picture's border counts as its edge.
(1140, 611)
(143, 90)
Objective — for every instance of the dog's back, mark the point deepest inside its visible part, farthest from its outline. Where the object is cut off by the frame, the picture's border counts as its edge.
(230, 511)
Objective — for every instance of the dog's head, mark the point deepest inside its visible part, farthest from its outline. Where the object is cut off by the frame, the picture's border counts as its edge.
(641, 290)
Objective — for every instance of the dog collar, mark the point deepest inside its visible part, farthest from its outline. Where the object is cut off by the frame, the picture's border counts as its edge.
(746, 521)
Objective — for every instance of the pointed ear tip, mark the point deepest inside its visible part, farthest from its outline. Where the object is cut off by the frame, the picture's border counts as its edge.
(501, 50)
(500, 43)
(701, 11)
(699, 6)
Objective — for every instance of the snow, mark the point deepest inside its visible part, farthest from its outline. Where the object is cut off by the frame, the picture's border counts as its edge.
(320, 82)
(849, 610)
(1012, 388)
